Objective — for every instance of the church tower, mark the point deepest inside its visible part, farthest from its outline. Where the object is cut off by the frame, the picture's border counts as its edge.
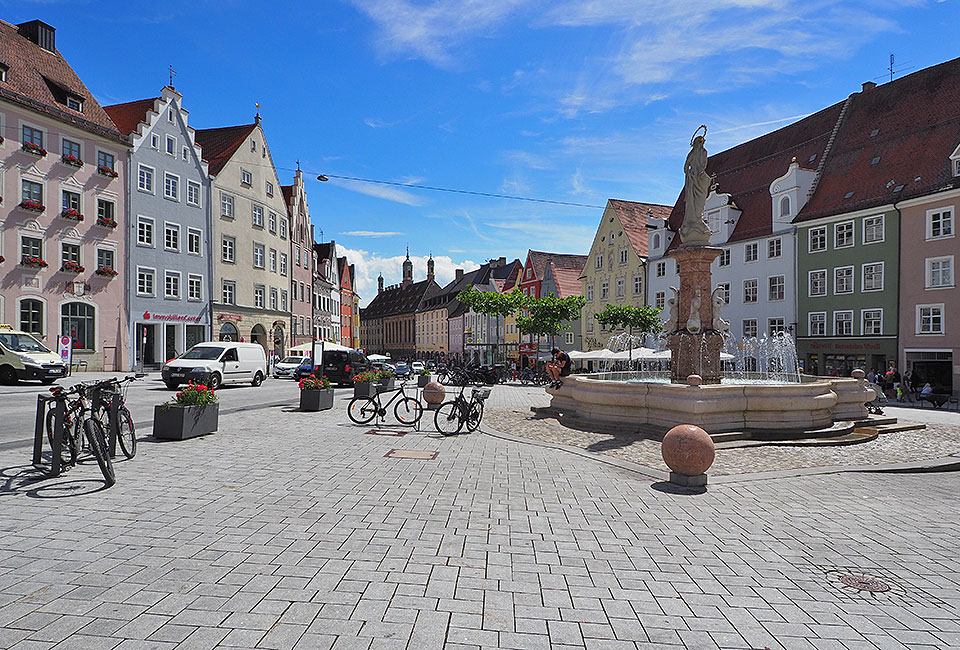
(430, 268)
(407, 270)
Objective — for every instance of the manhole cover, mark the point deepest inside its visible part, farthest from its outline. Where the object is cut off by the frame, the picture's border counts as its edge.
(412, 454)
(381, 432)
(864, 583)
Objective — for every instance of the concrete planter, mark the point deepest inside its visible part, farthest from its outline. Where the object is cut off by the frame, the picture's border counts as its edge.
(365, 389)
(390, 384)
(316, 400)
(422, 380)
(183, 422)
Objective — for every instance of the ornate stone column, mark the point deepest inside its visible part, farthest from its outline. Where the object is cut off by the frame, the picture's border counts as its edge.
(694, 343)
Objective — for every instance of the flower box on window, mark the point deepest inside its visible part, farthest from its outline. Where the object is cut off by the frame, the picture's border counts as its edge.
(71, 267)
(33, 262)
(34, 148)
(34, 206)
(71, 214)
(71, 160)
(107, 222)
(103, 170)
(106, 272)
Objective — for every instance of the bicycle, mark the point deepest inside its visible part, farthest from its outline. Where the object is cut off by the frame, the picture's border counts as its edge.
(78, 417)
(452, 416)
(536, 377)
(104, 393)
(407, 411)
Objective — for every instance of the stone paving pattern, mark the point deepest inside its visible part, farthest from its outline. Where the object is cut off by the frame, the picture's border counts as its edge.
(292, 530)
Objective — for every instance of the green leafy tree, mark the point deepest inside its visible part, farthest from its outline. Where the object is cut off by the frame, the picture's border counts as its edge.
(644, 319)
(547, 315)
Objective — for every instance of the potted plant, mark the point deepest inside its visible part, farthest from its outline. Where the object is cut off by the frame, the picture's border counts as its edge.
(30, 204)
(423, 378)
(69, 159)
(316, 394)
(387, 379)
(109, 172)
(34, 148)
(107, 222)
(72, 214)
(193, 412)
(106, 272)
(32, 261)
(364, 384)
(71, 267)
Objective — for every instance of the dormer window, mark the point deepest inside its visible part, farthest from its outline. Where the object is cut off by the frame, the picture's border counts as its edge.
(785, 206)
(713, 220)
(3, 72)
(75, 104)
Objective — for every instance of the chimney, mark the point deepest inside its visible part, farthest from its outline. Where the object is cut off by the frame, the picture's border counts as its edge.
(40, 33)
(459, 274)
(867, 85)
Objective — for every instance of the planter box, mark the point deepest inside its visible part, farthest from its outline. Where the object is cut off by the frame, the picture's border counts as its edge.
(390, 384)
(423, 380)
(365, 389)
(183, 422)
(316, 400)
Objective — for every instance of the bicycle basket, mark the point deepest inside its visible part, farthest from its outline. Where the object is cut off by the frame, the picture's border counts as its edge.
(481, 393)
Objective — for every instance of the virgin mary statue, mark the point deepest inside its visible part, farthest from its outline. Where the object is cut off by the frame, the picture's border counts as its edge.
(694, 231)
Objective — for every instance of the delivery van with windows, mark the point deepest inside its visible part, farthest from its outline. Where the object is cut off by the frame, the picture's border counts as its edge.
(22, 356)
(215, 363)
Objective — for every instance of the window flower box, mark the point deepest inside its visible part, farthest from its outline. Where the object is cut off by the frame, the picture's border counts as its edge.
(71, 267)
(107, 222)
(72, 214)
(34, 148)
(33, 206)
(33, 262)
(71, 160)
(103, 170)
(194, 412)
(106, 272)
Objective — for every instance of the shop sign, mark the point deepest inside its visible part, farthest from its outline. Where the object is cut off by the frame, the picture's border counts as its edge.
(235, 317)
(839, 345)
(171, 317)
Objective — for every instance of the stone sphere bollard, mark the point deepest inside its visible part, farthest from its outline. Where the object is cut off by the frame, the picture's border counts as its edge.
(433, 394)
(858, 373)
(694, 380)
(689, 452)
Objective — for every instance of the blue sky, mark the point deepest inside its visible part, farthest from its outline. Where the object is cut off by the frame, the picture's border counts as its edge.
(569, 100)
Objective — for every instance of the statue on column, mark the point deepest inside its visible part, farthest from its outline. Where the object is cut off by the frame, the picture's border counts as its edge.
(694, 231)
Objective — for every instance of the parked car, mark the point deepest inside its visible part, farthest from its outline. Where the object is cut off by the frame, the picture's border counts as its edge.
(215, 363)
(24, 357)
(417, 366)
(287, 366)
(339, 366)
(402, 370)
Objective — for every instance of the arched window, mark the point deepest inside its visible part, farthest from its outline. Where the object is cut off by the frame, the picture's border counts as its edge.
(785, 206)
(77, 320)
(228, 332)
(31, 316)
(656, 241)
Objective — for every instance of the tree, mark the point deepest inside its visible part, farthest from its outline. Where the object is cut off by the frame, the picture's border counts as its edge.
(547, 315)
(645, 319)
(492, 303)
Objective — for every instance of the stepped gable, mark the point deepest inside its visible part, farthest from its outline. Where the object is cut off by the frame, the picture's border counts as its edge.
(540, 259)
(912, 125)
(746, 171)
(634, 217)
(398, 299)
(220, 144)
(130, 115)
(41, 80)
(287, 192)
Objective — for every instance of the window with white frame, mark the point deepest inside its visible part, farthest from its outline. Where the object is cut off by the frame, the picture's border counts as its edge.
(751, 252)
(70, 253)
(259, 295)
(724, 257)
(785, 206)
(713, 221)
(598, 261)
(30, 191)
(843, 234)
(939, 272)
(283, 300)
(817, 283)
(283, 228)
(930, 319)
(194, 287)
(817, 323)
(939, 223)
(107, 160)
(228, 292)
(193, 193)
(106, 210)
(194, 241)
(258, 215)
(774, 248)
(775, 326)
(106, 258)
(750, 290)
(623, 255)
(283, 263)
(296, 259)
(31, 247)
(817, 239)
(228, 249)
(568, 338)
(843, 279)
(145, 231)
(226, 205)
(185, 152)
(273, 298)
(269, 187)
(70, 200)
(872, 278)
(749, 328)
(843, 323)
(724, 292)
(145, 178)
(171, 284)
(145, 281)
(871, 322)
(620, 287)
(170, 115)
(155, 141)
(70, 148)
(171, 237)
(873, 229)
(258, 256)
(273, 260)
(171, 186)
(637, 285)
(604, 290)
(661, 268)
(171, 145)
(775, 287)
(246, 178)
(589, 326)
(590, 292)
(610, 239)
(272, 225)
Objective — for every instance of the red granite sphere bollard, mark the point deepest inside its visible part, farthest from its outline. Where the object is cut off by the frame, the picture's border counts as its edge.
(433, 393)
(688, 450)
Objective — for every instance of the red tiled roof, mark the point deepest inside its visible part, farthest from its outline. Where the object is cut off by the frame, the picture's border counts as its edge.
(39, 80)
(128, 116)
(567, 281)
(287, 191)
(220, 144)
(633, 217)
(539, 260)
(746, 171)
(911, 125)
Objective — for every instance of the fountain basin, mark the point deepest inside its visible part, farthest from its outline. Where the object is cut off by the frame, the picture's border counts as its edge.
(717, 408)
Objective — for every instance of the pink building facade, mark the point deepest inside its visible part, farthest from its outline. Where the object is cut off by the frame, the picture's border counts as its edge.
(62, 183)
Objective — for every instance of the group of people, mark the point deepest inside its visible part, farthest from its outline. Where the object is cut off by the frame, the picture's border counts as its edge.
(901, 385)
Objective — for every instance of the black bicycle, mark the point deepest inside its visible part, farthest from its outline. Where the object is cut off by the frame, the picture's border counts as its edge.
(458, 413)
(534, 376)
(103, 395)
(408, 410)
(77, 418)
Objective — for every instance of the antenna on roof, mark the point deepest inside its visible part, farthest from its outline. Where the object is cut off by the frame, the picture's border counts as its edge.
(894, 69)
(172, 72)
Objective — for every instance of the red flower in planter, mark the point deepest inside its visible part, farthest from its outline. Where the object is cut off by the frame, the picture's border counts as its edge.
(72, 214)
(71, 267)
(30, 204)
(106, 272)
(103, 170)
(32, 260)
(34, 148)
(107, 222)
(69, 159)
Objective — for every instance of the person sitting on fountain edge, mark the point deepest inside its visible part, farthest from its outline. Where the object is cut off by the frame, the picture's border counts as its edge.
(559, 367)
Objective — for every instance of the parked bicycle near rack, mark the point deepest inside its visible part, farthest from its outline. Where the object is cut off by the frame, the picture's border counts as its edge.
(408, 410)
(452, 416)
(103, 395)
(77, 418)
(534, 376)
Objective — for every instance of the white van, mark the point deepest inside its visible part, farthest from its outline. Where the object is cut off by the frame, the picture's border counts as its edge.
(24, 357)
(215, 363)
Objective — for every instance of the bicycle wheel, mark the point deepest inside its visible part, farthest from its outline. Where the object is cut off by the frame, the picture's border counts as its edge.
(362, 409)
(408, 411)
(126, 434)
(98, 445)
(446, 419)
(474, 415)
(68, 450)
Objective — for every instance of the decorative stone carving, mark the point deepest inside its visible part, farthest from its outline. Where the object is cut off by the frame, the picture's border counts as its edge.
(673, 307)
(719, 325)
(693, 320)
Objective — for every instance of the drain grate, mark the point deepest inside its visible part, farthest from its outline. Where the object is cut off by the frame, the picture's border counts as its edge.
(864, 583)
(383, 432)
(411, 454)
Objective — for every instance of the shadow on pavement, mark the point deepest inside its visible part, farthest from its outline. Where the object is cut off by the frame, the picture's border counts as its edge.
(23, 479)
(65, 489)
(670, 488)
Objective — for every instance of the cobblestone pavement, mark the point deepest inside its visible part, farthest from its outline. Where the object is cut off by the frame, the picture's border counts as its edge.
(510, 413)
(294, 530)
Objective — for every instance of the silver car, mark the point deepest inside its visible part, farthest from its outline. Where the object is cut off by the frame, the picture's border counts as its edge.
(287, 366)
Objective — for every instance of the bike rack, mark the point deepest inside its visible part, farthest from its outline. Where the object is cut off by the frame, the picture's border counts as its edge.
(38, 433)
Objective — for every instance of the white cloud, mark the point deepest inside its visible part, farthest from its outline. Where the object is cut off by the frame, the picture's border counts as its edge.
(528, 159)
(379, 191)
(370, 233)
